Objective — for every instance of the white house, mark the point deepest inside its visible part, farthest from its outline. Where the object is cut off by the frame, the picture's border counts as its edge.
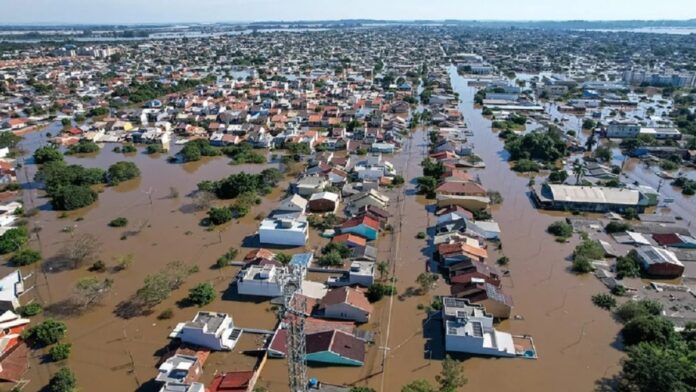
(361, 273)
(11, 287)
(469, 329)
(346, 303)
(262, 281)
(284, 231)
(7, 213)
(212, 330)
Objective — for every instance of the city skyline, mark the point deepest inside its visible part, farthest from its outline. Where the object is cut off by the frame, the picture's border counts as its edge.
(210, 11)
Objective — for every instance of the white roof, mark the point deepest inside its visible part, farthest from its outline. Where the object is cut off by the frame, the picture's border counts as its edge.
(655, 255)
(324, 195)
(594, 194)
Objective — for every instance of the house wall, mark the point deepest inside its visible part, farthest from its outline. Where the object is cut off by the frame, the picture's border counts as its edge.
(346, 312)
(332, 358)
(322, 205)
(666, 270)
(259, 288)
(471, 344)
(283, 237)
(197, 337)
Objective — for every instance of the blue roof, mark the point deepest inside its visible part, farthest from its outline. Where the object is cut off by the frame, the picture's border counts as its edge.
(302, 259)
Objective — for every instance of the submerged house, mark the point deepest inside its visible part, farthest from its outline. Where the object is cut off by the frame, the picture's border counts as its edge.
(346, 303)
(363, 226)
(284, 231)
(211, 330)
(469, 329)
(660, 262)
(588, 198)
(335, 348)
(479, 291)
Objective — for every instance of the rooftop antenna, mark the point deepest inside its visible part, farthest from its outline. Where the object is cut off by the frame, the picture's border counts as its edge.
(295, 321)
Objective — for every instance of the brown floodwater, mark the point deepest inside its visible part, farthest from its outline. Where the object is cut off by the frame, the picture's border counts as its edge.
(574, 339)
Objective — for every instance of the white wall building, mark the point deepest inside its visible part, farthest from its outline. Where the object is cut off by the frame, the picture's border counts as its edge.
(469, 329)
(261, 281)
(288, 232)
(208, 329)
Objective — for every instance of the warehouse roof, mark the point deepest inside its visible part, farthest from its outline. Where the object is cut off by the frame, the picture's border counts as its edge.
(594, 194)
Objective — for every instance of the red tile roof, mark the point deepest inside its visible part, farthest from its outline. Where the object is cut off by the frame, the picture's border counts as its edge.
(232, 381)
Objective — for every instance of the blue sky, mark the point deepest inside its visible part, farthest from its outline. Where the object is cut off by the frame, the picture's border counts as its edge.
(144, 11)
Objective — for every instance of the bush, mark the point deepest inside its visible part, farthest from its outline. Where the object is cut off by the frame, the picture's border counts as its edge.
(378, 290)
(48, 332)
(604, 301)
(525, 166)
(582, 265)
(558, 176)
(224, 260)
(25, 257)
(202, 294)
(590, 249)
(154, 149)
(634, 309)
(118, 222)
(72, 197)
(218, 216)
(503, 260)
(63, 381)
(128, 149)
(617, 227)
(649, 329)
(560, 229)
(47, 154)
(166, 314)
(30, 310)
(628, 266)
(421, 235)
(83, 147)
(121, 171)
(13, 240)
(331, 259)
(195, 149)
(397, 180)
(60, 351)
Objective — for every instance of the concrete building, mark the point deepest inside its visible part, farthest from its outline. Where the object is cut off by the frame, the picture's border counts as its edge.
(361, 273)
(11, 287)
(211, 330)
(346, 303)
(284, 232)
(469, 329)
(261, 281)
(588, 198)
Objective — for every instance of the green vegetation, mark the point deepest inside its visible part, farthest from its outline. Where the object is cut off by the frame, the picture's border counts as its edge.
(650, 329)
(544, 146)
(322, 222)
(378, 290)
(143, 92)
(604, 301)
(426, 281)
(526, 166)
(560, 229)
(60, 352)
(195, 149)
(503, 261)
(283, 258)
(159, 286)
(688, 186)
(118, 222)
(243, 153)
(617, 227)
(224, 260)
(47, 154)
(419, 386)
(83, 147)
(362, 389)
(154, 149)
(63, 380)
(30, 310)
(202, 294)
(128, 148)
(121, 171)
(451, 377)
(46, 333)
(237, 184)
(589, 123)
(72, 197)
(13, 240)
(634, 309)
(427, 185)
(25, 256)
(603, 153)
(69, 185)
(421, 235)
(9, 140)
(219, 216)
(331, 259)
(397, 180)
(628, 266)
(515, 121)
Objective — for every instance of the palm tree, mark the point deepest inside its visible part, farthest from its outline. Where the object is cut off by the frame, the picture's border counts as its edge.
(382, 268)
(579, 170)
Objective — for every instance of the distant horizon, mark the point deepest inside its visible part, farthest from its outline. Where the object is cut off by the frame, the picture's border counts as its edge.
(318, 21)
(136, 12)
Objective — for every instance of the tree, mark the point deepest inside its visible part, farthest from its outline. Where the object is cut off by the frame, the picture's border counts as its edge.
(30, 310)
(47, 154)
(91, 290)
(628, 266)
(604, 301)
(651, 367)
(603, 153)
(378, 290)
(83, 147)
(118, 222)
(283, 258)
(46, 333)
(9, 140)
(63, 381)
(13, 239)
(427, 185)
(218, 216)
(616, 227)
(451, 377)
(382, 268)
(60, 351)
(331, 259)
(649, 329)
(79, 249)
(25, 256)
(633, 309)
(72, 197)
(560, 229)
(419, 386)
(558, 176)
(362, 389)
(581, 264)
(202, 294)
(158, 286)
(426, 281)
(121, 171)
(579, 170)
